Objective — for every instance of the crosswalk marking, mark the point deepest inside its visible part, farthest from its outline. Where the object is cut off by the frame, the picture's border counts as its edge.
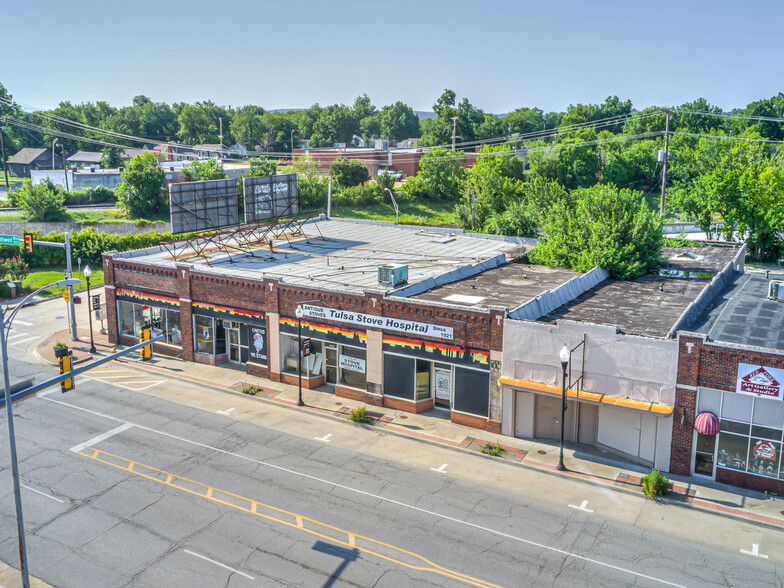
(22, 341)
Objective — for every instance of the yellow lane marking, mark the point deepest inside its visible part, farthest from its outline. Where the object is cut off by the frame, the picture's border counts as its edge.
(295, 521)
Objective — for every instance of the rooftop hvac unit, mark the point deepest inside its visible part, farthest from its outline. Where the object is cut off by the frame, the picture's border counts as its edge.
(392, 275)
(381, 145)
(776, 290)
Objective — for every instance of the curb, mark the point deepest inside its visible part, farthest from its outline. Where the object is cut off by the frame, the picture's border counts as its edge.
(693, 503)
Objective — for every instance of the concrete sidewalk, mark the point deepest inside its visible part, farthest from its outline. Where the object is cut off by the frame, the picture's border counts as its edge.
(434, 427)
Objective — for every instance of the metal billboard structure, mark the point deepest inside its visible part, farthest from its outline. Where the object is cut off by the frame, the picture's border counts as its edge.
(209, 210)
(270, 197)
(203, 206)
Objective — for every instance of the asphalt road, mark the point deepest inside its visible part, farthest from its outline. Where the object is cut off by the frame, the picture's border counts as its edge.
(122, 487)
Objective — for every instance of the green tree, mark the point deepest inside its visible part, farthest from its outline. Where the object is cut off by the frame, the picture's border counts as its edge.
(349, 172)
(572, 167)
(110, 158)
(139, 194)
(632, 165)
(397, 122)
(524, 120)
(211, 169)
(42, 203)
(439, 178)
(606, 226)
(277, 132)
(247, 126)
(439, 130)
(518, 220)
(312, 185)
(335, 124)
(199, 123)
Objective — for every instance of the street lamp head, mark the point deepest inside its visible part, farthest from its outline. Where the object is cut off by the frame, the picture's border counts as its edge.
(68, 282)
(564, 355)
(87, 272)
(299, 313)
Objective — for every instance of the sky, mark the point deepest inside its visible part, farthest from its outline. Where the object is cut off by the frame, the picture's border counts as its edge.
(501, 55)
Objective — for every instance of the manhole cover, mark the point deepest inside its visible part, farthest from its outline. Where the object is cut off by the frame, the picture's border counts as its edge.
(540, 452)
(402, 417)
(338, 404)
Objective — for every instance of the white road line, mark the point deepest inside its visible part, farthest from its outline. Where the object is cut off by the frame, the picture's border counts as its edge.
(442, 469)
(325, 438)
(110, 371)
(42, 493)
(16, 335)
(95, 377)
(102, 437)
(23, 323)
(581, 507)
(376, 496)
(21, 341)
(754, 551)
(217, 563)
(227, 411)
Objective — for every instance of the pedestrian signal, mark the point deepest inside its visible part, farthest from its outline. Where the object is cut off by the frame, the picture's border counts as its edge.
(66, 365)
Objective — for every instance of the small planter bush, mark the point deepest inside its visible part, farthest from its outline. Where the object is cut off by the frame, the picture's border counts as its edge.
(60, 350)
(654, 484)
(251, 390)
(493, 449)
(359, 415)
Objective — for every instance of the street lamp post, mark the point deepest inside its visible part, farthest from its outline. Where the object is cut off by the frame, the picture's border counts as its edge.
(299, 314)
(87, 273)
(54, 142)
(564, 356)
(5, 325)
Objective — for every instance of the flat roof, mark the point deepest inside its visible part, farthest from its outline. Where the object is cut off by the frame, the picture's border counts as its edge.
(339, 254)
(743, 314)
(507, 286)
(638, 307)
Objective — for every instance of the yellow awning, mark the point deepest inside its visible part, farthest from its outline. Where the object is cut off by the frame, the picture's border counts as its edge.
(641, 405)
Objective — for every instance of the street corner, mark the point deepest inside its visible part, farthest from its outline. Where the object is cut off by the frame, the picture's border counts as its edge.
(80, 348)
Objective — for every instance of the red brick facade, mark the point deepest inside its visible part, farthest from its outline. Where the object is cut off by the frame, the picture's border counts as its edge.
(711, 364)
(471, 328)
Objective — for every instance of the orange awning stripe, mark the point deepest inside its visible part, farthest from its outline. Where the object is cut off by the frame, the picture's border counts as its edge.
(642, 405)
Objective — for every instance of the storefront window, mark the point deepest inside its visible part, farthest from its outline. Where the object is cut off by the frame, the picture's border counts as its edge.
(733, 450)
(764, 457)
(312, 366)
(205, 335)
(352, 367)
(132, 316)
(423, 378)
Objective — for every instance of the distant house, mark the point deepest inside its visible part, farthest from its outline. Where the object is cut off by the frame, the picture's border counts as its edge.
(408, 143)
(129, 153)
(30, 158)
(85, 159)
(238, 150)
(209, 150)
(173, 152)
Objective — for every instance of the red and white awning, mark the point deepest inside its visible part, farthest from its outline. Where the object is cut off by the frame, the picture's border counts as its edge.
(707, 423)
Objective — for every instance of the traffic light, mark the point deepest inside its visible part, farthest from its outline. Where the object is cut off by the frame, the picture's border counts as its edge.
(28, 243)
(77, 299)
(66, 365)
(146, 351)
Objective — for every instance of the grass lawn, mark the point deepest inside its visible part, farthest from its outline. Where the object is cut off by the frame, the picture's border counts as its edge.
(431, 213)
(42, 276)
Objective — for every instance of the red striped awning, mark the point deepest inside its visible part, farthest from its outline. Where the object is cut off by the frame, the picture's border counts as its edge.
(707, 423)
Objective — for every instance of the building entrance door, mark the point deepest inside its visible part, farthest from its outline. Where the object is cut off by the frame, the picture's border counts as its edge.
(442, 386)
(233, 343)
(548, 417)
(331, 363)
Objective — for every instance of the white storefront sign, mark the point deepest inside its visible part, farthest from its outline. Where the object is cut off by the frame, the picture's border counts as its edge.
(760, 381)
(352, 364)
(379, 322)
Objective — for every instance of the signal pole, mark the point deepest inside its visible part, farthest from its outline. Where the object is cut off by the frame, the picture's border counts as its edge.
(666, 159)
(2, 148)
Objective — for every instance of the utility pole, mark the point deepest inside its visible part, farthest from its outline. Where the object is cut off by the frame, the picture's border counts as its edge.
(2, 148)
(454, 130)
(666, 159)
(220, 137)
(54, 142)
(65, 168)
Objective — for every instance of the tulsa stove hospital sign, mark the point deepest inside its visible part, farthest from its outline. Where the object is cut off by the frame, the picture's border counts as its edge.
(761, 381)
(379, 322)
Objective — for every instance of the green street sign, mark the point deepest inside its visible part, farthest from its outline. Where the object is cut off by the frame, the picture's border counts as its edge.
(9, 240)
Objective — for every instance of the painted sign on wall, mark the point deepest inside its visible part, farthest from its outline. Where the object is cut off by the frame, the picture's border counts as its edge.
(761, 381)
(352, 364)
(258, 345)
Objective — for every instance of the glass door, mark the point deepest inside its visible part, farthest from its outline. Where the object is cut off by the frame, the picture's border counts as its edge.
(442, 385)
(331, 363)
(233, 343)
(704, 454)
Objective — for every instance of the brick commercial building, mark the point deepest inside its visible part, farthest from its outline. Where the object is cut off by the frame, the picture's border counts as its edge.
(729, 405)
(375, 336)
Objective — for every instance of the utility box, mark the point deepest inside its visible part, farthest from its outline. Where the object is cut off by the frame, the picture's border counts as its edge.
(392, 275)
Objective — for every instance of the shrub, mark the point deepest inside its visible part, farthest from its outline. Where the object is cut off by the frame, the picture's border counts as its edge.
(251, 390)
(15, 269)
(359, 415)
(59, 346)
(358, 196)
(493, 449)
(349, 172)
(43, 202)
(654, 484)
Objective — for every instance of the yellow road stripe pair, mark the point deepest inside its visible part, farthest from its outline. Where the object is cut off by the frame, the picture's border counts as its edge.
(296, 521)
